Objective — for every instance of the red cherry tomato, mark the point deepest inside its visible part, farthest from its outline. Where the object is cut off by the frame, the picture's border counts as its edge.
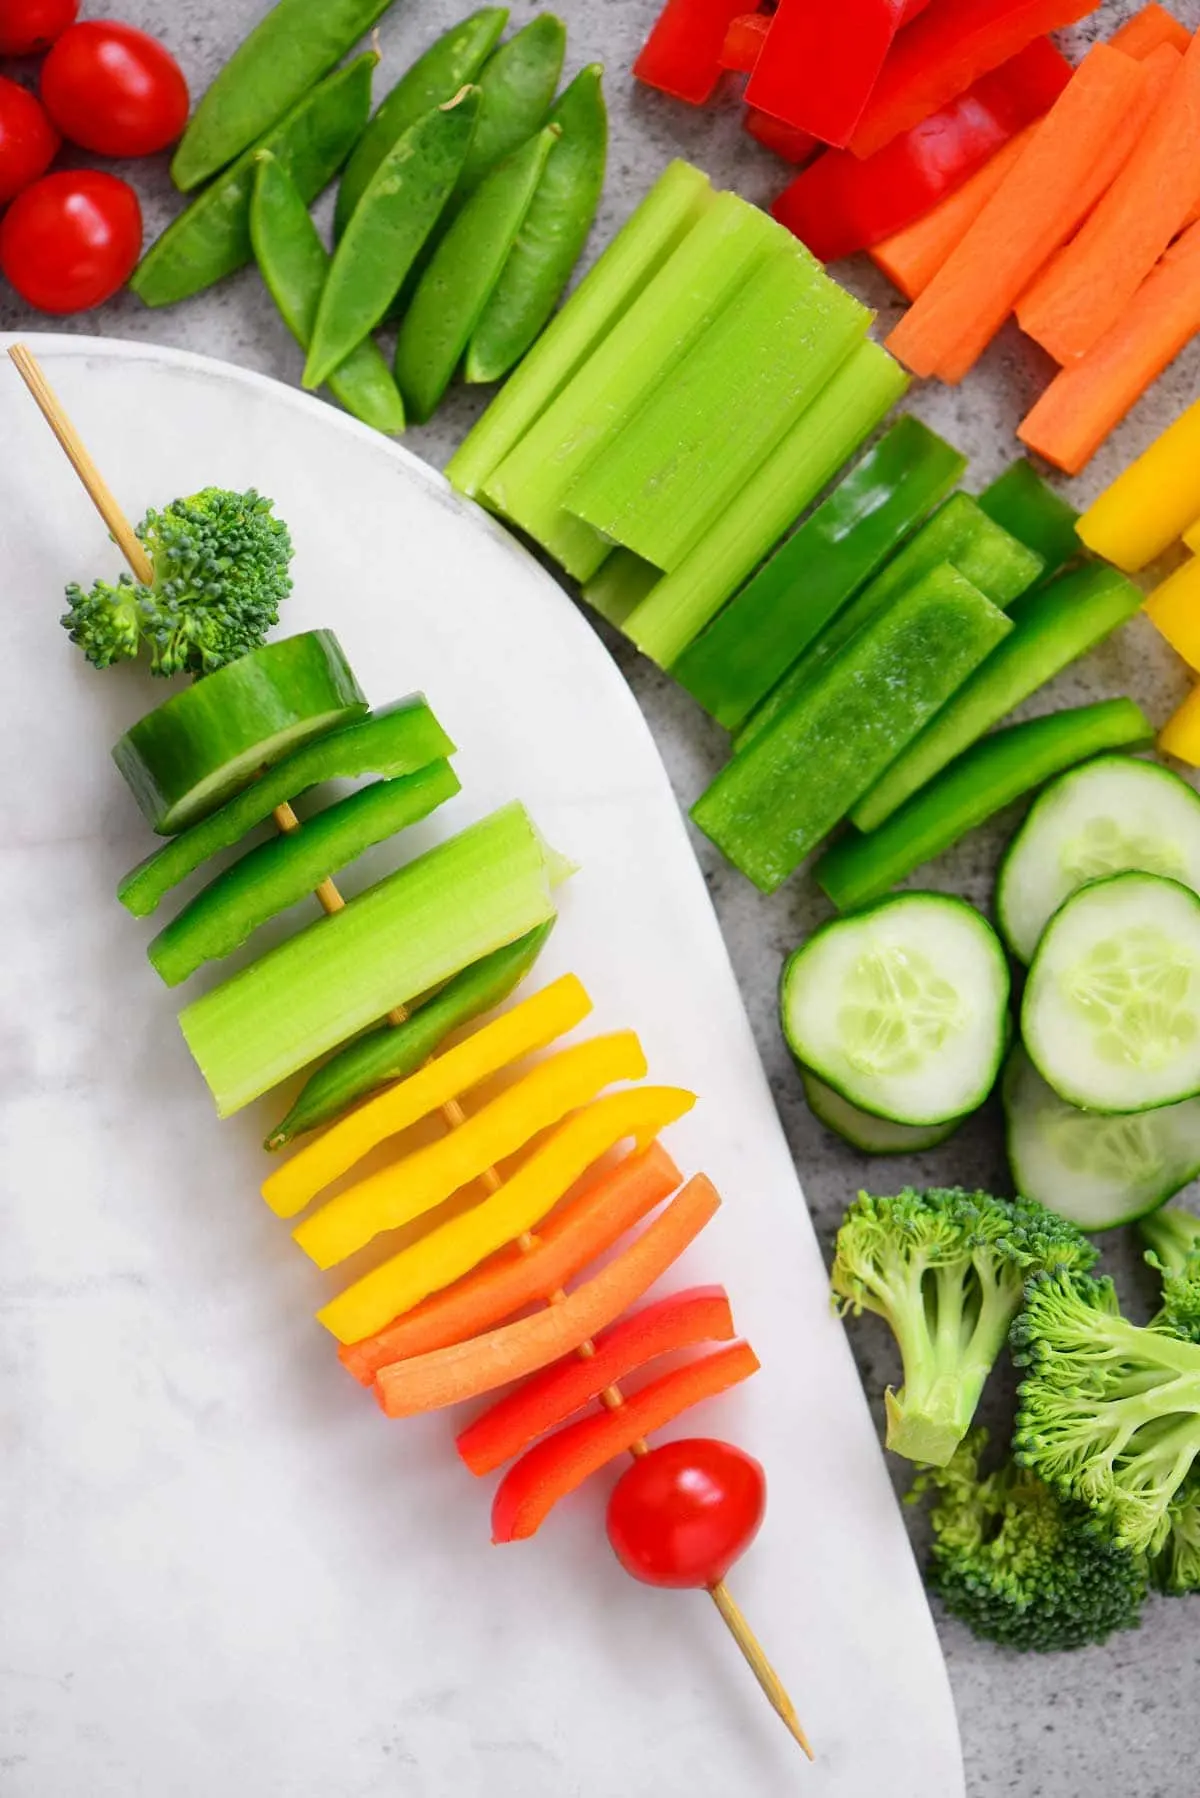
(27, 26)
(684, 1513)
(69, 241)
(113, 90)
(28, 141)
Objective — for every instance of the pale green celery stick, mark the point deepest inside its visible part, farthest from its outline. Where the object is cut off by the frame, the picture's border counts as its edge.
(657, 485)
(486, 887)
(671, 314)
(673, 206)
(845, 412)
(620, 583)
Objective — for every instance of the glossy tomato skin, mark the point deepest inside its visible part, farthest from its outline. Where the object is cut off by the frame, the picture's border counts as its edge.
(683, 1514)
(29, 26)
(71, 240)
(28, 140)
(114, 90)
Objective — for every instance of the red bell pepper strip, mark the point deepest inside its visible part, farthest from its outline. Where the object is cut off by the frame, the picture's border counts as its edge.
(743, 42)
(944, 51)
(794, 146)
(550, 1397)
(821, 61)
(843, 204)
(559, 1465)
(911, 9)
(682, 55)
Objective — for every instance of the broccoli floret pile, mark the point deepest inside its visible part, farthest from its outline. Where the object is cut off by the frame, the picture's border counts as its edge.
(946, 1269)
(220, 564)
(1020, 1566)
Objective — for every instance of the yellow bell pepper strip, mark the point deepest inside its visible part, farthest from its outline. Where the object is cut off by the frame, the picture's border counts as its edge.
(1151, 505)
(533, 1024)
(1192, 537)
(1180, 736)
(461, 1244)
(1174, 610)
(414, 1185)
(467, 1370)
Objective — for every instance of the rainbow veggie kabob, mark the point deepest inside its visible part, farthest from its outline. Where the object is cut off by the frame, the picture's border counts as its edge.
(376, 987)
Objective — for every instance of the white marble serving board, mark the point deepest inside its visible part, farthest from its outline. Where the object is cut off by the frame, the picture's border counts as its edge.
(224, 1570)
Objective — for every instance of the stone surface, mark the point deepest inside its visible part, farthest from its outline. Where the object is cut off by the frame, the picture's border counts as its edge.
(1108, 1722)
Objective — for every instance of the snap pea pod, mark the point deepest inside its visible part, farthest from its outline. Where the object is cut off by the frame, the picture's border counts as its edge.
(551, 240)
(393, 1051)
(278, 874)
(446, 67)
(516, 87)
(400, 739)
(212, 237)
(391, 222)
(283, 58)
(465, 268)
(294, 265)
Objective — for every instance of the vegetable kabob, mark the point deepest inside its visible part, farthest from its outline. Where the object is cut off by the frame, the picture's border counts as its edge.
(682, 1513)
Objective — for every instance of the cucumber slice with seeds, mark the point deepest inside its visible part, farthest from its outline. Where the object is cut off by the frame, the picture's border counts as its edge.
(902, 1009)
(1110, 816)
(1111, 1015)
(871, 1135)
(1098, 1170)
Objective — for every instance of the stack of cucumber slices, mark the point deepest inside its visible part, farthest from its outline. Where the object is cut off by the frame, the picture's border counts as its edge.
(899, 1015)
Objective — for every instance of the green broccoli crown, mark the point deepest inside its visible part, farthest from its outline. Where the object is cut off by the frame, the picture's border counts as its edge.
(946, 1270)
(220, 564)
(1021, 1566)
(1176, 1567)
(1109, 1410)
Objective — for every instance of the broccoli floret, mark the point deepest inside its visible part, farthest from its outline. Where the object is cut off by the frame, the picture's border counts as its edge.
(1109, 1410)
(220, 572)
(1021, 1566)
(1172, 1239)
(946, 1270)
(1175, 1569)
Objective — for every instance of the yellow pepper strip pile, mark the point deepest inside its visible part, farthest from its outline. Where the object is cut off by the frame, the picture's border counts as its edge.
(1153, 503)
(461, 1244)
(417, 1183)
(1174, 609)
(533, 1024)
(1181, 736)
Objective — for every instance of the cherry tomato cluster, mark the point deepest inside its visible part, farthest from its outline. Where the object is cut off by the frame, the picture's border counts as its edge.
(69, 240)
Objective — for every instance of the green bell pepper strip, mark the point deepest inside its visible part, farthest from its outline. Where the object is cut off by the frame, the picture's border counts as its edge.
(278, 874)
(1035, 515)
(211, 238)
(750, 646)
(393, 1051)
(396, 741)
(994, 773)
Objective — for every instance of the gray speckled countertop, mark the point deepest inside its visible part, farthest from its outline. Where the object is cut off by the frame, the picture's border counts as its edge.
(1113, 1722)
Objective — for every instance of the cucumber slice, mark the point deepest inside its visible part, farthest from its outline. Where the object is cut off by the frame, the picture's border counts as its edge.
(1111, 816)
(872, 1135)
(188, 756)
(902, 1009)
(1100, 1171)
(1111, 1015)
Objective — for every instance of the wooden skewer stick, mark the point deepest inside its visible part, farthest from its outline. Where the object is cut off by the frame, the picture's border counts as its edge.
(331, 901)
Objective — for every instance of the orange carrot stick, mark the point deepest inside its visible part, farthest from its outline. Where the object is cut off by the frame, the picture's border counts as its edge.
(1090, 398)
(912, 257)
(1084, 291)
(469, 1369)
(1067, 164)
(1147, 29)
(577, 1235)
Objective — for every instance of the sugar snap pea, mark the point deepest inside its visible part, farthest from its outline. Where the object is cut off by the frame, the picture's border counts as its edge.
(551, 240)
(394, 1051)
(465, 268)
(283, 58)
(391, 222)
(516, 87)
(447, 66)
(212, 237)
(294, 264)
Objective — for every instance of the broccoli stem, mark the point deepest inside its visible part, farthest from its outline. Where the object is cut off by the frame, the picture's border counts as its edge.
(948, 1345)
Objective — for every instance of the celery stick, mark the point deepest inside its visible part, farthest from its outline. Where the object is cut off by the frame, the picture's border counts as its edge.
(621, 583)
(678, 199)
(657, 485)
(487, 886)
(653, 337)
(845, 412)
